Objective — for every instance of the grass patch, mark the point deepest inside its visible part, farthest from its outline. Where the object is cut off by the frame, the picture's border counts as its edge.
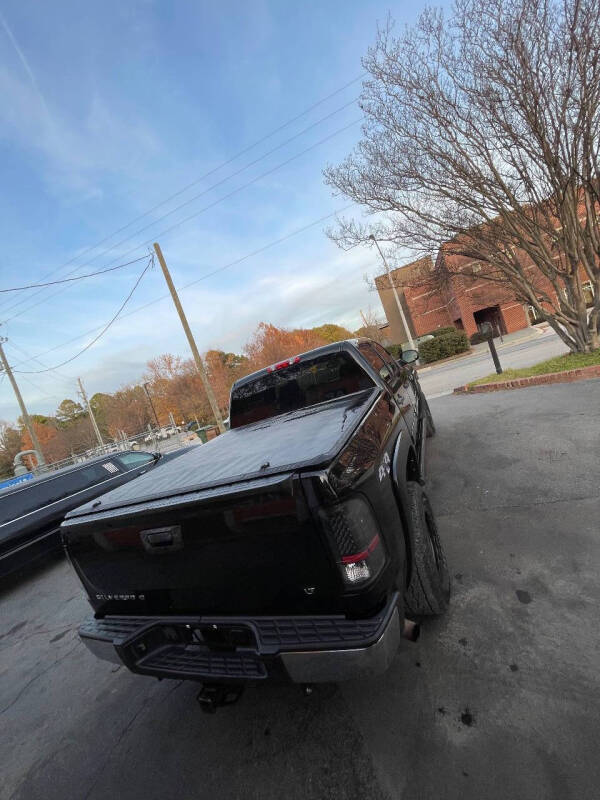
(556, 364)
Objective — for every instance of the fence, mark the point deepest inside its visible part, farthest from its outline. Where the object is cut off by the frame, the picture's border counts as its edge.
(150, 441)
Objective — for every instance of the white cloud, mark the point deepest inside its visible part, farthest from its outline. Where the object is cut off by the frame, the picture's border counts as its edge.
(331, 290)
(78, 154)
(24, 62)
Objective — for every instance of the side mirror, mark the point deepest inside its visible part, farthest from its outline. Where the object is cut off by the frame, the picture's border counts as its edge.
(156, 456)
(409, 356)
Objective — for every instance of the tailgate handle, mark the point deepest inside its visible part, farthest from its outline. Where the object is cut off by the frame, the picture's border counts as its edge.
(161, 540)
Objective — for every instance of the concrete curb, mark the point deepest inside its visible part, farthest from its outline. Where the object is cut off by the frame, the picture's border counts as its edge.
(568, 376)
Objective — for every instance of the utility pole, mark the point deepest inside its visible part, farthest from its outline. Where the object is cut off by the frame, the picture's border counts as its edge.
(393, 285)
(26, 418)
(199, 365)
(151, 405)
(84, 397)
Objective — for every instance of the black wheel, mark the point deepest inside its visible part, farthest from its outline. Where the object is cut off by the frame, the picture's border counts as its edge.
(429, 423)
(429, 589)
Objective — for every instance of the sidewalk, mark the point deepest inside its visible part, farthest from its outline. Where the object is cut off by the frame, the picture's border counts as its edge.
(525, 335)
(509, 340)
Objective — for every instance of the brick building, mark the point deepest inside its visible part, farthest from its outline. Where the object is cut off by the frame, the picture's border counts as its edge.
(465, 300)
(411, 274)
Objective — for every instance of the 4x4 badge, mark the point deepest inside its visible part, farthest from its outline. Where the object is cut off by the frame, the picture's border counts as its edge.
(384, 467)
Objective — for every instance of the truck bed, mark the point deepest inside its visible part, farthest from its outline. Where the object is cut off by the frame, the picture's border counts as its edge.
(307, 438)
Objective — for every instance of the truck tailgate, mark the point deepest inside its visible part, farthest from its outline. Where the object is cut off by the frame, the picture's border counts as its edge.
(248, 548)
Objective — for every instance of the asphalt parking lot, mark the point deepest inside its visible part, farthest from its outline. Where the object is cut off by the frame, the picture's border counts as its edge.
(499, 699)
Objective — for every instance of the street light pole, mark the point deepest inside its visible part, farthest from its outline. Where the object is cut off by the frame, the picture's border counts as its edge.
(151, 405)
(90, 411)
(398, 303)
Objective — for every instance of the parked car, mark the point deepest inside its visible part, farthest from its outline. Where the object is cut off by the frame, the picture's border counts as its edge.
(295, 546)
(31, 512)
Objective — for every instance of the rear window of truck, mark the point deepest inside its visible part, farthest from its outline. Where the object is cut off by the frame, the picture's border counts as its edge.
(297, 386)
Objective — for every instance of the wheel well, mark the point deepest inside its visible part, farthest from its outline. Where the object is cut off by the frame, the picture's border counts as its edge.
(412, 466)
(411, 473)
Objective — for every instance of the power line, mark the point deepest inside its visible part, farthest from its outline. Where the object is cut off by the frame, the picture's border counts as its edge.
(65, 378)
(102, 332)
(259, 250)
(235, 174)
(202, 210)
(77, 278)
(263, 248)
(221, 342)
(203, 177)
(41, 391)
(254, 180)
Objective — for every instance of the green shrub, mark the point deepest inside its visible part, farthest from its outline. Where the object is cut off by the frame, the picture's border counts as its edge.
(444, 346)
(441, 331)
(395, 350)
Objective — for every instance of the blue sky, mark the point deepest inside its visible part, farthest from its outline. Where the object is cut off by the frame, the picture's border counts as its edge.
(107, 110)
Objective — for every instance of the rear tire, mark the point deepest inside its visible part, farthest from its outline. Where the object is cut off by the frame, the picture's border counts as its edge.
(429, 589)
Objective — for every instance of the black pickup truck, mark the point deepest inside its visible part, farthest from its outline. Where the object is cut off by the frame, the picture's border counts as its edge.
(293, 547)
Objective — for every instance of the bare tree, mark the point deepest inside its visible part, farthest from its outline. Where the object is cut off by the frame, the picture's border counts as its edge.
(370, 327)
(481, 137)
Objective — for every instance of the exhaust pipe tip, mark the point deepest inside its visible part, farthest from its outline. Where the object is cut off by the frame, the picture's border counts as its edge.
(411, 630)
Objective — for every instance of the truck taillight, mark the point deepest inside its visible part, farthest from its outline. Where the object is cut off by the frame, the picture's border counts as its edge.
(354, 532)
(283, 364)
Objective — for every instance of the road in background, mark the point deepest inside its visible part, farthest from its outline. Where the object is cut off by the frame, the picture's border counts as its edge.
(514, 352)
(499, 699)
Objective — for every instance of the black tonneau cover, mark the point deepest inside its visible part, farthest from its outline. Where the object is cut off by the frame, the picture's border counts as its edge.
(307, 438)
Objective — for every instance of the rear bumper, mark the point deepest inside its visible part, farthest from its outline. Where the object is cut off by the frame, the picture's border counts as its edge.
(300, 649)
(317, 666)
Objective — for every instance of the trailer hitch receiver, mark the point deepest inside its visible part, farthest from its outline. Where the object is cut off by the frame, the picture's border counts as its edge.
(215, 695)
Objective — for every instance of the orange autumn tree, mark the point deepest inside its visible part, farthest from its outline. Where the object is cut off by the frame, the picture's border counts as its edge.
(175, 386)
(222, 370)
(52, 443)
(126, 410)
(270, 344)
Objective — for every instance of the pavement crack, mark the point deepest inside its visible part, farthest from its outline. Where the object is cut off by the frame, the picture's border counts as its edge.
(122, 735)
(506, 506)
(38, 676)
(61, 630)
